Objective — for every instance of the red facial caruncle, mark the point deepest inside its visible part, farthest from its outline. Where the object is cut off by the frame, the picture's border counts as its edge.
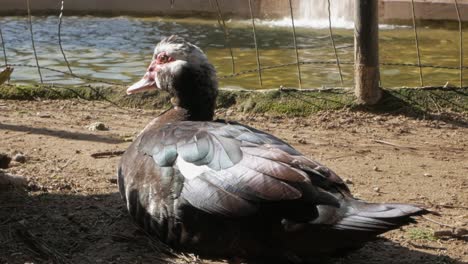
(159, 60)
(148, 81)
(163, 58)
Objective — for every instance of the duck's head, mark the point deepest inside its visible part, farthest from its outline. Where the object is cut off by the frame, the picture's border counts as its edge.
(182, 69)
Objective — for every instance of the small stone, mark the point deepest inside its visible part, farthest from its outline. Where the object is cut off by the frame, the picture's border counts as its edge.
(229, 112)
(19, 157)
(43, 115)
(427, 175)
(113, 180)
(375, 168)
(302, 141)
(349, 181)
(65, 187)
(128, 139)
(7, 179)
(377, 189)
(4, 161)
(33, 187)
(98, 126)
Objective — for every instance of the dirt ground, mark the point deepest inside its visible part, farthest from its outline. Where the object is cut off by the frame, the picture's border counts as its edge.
(71, 211)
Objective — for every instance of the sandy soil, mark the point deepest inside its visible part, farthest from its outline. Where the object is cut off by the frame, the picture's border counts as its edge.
(72, 213)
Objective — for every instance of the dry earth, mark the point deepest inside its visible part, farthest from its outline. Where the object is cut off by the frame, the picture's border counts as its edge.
(71, 212)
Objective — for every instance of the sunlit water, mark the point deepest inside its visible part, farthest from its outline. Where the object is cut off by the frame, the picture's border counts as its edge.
(119, 49)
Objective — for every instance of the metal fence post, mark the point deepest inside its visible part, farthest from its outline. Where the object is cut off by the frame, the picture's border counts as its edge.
(366, 52)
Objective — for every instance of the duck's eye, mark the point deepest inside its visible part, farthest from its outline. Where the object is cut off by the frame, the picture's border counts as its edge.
(163, 58)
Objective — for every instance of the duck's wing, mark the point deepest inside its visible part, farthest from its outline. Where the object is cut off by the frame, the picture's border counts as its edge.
(233, 170)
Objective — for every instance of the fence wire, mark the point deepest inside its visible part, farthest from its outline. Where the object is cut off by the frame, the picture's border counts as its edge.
(416, 41)
(227, 41)
(260, 68)
(32, 40)
(257, 55)
(60, 39)
(460, 32)
(299, 77)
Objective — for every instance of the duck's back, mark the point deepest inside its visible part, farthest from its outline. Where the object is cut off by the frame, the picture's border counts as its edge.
(224, 189)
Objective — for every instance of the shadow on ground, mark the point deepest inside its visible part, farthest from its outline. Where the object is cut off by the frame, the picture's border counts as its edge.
(433, 104)
(51, 228)
(61, 133)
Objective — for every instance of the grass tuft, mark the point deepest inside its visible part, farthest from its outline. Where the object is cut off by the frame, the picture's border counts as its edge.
(421, 234)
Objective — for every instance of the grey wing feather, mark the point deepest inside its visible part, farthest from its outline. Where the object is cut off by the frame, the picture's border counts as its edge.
(245, 167)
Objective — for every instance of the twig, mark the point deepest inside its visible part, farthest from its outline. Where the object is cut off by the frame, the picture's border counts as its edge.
(67, 163)
(452, 206)
(436, 222)
(426, 246)
(392, 144)
(107, 154)
(454, 232)
(343, 156)
(439, 111)
(38, 246)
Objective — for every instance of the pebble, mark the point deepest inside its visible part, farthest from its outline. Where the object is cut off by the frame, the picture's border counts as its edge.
(229, 112)
(98, 126)
(302, 141)
(349, 181)
(377, 189)
(427, 175)
(4, 161)
(43, 115)
(128, 139)
(19, 157)
(7, 179)
(113, 180)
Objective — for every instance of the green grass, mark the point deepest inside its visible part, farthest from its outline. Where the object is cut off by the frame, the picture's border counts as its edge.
(421, 234)
(409, 101)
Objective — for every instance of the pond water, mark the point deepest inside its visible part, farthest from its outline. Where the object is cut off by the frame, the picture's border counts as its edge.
(119, 49)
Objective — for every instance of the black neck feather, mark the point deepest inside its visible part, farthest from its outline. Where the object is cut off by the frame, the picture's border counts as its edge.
(195, 91)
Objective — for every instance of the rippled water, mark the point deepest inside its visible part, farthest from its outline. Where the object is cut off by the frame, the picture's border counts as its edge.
(119, 49)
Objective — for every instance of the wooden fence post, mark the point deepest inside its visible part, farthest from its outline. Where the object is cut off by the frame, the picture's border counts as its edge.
(366, 52)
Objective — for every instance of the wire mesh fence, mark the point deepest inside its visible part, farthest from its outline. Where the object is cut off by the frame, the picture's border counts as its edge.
(342, 77)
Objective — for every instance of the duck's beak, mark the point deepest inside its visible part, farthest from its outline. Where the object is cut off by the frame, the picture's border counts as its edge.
(142, 85)
(146, 83)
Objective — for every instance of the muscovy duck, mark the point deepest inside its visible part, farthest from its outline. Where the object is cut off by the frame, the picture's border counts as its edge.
(222, 189)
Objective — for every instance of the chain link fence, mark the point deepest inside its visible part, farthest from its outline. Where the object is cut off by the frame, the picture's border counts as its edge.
(261, 67)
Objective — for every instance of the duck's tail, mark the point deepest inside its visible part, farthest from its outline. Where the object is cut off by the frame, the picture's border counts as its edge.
(378, 218)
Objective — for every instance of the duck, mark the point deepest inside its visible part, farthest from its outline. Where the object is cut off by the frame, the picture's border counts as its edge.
(221, 189)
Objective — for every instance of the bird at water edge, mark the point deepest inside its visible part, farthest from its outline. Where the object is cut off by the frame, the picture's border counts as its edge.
(226, 190)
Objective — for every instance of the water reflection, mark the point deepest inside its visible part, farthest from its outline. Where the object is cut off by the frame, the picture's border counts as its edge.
(120, 48)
